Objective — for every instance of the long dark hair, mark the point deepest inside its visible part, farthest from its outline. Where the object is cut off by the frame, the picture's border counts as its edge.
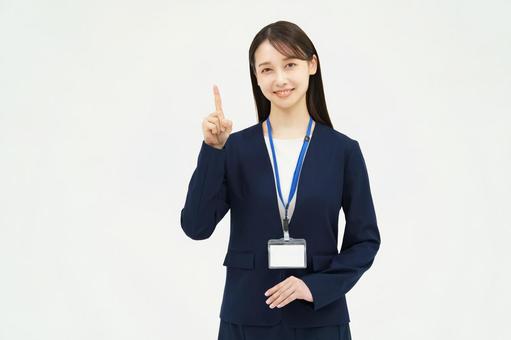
(290, 40)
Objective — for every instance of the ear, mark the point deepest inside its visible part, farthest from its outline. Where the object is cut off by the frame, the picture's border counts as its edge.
(313, 65)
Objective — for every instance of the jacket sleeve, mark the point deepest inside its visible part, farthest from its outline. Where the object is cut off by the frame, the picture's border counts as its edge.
(207, 199)
(361, 239)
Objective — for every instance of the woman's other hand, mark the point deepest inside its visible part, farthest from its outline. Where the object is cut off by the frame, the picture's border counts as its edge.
(287, 291)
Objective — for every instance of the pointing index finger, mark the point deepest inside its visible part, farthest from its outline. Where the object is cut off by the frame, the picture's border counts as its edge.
(218, 101)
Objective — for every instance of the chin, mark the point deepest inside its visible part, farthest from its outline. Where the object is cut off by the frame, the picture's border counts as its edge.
(286, 104)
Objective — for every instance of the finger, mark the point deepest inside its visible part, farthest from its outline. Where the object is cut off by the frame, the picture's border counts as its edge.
(283, 295)
(211, 122)
(277, 294)
(214, 119)
(274, 288)
(218, 100)
(289, 299)
(212, 127)
(219, 123)
(228, 124)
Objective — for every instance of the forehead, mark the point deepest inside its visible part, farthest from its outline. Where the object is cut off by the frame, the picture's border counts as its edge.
(266, 54)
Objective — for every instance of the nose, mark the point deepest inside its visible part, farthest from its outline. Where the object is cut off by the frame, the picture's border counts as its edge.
(281, 79)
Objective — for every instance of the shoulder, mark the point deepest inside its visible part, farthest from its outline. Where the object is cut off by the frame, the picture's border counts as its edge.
(250, 130)
(340, 139)
(244, 135)
(240, 139)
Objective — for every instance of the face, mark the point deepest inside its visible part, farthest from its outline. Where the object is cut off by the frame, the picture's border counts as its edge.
(276, 72)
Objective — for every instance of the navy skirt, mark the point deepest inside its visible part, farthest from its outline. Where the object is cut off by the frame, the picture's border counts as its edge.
(232, 331)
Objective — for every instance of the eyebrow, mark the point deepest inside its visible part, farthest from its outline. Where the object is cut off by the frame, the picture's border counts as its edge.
(268, 63)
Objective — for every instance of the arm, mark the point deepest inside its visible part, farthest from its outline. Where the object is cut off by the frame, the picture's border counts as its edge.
(361, 239)
(207, 199)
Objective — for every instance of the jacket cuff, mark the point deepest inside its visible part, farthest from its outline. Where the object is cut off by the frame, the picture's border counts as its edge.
(312, 281)
(211, 149)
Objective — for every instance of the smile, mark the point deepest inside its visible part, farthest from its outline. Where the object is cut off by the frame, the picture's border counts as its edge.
(283, 93)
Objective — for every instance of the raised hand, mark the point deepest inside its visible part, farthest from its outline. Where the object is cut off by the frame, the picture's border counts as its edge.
(215, 126)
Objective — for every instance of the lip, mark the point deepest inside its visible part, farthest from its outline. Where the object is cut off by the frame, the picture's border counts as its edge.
(284, 95)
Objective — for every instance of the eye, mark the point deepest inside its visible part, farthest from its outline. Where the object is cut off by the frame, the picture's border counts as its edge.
(263, 70)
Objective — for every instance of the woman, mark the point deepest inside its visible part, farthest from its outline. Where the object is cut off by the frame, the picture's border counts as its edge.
(285, 278)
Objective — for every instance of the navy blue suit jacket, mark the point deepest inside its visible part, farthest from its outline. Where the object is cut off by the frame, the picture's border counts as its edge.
(240, 177)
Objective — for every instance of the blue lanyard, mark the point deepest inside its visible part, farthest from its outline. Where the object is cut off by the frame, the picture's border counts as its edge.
(298, 168)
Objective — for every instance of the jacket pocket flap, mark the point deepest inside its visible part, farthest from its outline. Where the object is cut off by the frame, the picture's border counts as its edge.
(239, 259)
(321, 262)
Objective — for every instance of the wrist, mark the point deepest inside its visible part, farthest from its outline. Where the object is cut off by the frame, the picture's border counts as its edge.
(218, 147)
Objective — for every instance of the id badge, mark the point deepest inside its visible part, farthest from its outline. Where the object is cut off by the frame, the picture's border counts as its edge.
(290, 253)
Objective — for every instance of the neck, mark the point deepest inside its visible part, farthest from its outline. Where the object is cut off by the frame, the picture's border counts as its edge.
(286, 124)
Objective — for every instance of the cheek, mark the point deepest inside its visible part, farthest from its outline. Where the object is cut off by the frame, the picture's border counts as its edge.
(301, 79)
(263, 84)
(302, 84)
(265, 89)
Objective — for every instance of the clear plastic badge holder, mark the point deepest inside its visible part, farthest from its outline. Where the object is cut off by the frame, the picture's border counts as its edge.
(287, 253)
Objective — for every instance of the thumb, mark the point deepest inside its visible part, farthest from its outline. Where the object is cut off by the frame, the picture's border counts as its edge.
(223, 124)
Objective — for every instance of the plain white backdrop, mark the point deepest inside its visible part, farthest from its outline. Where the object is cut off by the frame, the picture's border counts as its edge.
(101, 104)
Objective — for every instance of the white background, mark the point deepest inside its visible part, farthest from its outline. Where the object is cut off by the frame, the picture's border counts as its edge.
(101, 104)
